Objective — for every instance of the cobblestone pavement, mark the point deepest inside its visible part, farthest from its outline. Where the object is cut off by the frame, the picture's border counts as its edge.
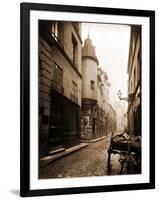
(89, 161)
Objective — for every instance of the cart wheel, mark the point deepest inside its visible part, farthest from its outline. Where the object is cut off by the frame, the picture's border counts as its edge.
(109, 160)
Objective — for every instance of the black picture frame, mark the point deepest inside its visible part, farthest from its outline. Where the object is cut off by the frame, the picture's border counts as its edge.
(25, 9)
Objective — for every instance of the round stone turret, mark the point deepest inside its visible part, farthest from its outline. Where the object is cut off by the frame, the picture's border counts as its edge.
(88, 50)
(89, 75)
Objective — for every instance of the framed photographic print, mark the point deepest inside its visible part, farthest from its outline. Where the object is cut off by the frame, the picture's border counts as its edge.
(87, 99)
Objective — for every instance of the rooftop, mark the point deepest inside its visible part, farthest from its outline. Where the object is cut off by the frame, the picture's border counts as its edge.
(89, 50)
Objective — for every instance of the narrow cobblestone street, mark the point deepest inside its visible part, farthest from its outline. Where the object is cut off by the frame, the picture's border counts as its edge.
(89, 161)
(79, 105)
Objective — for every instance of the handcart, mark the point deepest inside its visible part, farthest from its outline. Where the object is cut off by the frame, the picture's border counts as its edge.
(129, 150)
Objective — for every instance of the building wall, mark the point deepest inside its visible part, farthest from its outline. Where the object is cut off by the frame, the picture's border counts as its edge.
(89, 90)
(69, 74)
(97, 115)
(103, 84)
(134, 82)
(45, 65)
(99, 99)
(103, 99)
(89, 72)
(59, 84)
(121, 115)
(69, 29)
(112, 121)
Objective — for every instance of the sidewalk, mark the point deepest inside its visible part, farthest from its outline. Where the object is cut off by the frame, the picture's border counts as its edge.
(93, 140)
(86, 162)
(58, 153)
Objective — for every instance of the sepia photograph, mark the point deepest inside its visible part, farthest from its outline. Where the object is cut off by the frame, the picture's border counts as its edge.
(89, 99)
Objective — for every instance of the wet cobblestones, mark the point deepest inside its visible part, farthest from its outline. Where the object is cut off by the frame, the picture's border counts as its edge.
(89, 161)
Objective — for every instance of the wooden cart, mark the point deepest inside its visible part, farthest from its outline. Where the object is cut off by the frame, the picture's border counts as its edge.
(129, 149)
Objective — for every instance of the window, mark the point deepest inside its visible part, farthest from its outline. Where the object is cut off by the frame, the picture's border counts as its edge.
(74, 94)
(57, 78)
(92, 85)
(74, 50)
(57, 74)
(76, 26)
(55, 31)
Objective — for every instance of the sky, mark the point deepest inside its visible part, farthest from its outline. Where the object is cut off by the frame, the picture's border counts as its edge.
(111, 43)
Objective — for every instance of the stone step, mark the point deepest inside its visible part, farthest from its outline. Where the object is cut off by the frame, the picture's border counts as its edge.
(56, 151)
(48, 159)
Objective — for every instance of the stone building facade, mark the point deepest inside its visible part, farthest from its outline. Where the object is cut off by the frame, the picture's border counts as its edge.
(89, 89)
(112, 120)
(134, 81)
(103, 101)
(73, 90)
(60, 51)
(95, 95)
(121, 114)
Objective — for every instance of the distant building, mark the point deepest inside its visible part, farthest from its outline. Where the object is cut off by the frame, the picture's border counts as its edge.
(112, 120)
(103, 100)
(60, 50)
(121, 115)
(134, 81)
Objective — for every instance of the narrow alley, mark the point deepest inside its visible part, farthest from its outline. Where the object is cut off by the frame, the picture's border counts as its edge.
(89, 161)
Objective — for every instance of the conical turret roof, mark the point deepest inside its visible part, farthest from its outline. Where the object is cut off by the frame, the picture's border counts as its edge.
(89, 50)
